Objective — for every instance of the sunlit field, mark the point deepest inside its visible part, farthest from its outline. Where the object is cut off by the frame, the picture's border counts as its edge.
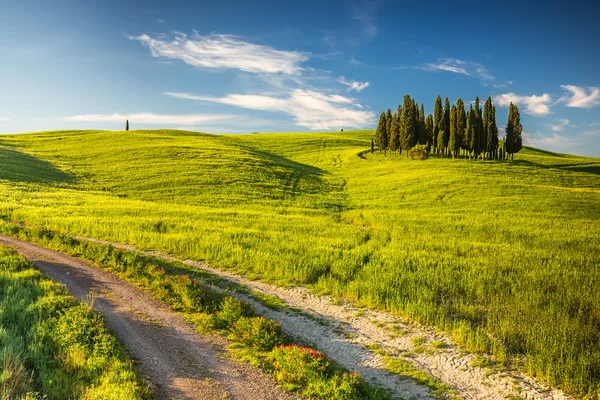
(503, 255)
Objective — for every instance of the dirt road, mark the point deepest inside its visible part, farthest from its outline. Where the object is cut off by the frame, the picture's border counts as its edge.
(177, 362)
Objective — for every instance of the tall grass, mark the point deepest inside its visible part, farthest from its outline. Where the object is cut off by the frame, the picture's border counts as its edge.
(53, 347)
(504, 255)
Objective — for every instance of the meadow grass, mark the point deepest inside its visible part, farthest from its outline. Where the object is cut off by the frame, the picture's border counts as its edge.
(505, 256)
(51, 346)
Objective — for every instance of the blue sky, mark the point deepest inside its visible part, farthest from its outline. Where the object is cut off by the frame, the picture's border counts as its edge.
(297, 66)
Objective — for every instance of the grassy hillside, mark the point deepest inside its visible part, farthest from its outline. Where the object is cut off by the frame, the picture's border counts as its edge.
(506, 256)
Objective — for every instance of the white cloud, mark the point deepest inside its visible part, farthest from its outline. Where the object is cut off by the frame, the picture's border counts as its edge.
(502, 85)
(153, 119)
(593, 124)
(459, 67)
(535, 105)
(553, 142)
(592, 132)
(4, 119)
(309, 108)
(561, 126)
(354, 85)
(224, 51)
(580, 97)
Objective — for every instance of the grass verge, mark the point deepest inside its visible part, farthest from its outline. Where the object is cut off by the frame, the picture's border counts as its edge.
(53, 347)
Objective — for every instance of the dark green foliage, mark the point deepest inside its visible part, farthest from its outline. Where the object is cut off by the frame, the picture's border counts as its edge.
(445, 126)
(429, 132)
(514, 130)
(408, 132)
(438, 115)
(476, 143)
(127, 125)
(388, 127)
(461, 124)
(492, 144)
(372, 145)
(381, 136)
(485, 135)
(470, 131)
(395, 133)
(454, 140)
(422, 128)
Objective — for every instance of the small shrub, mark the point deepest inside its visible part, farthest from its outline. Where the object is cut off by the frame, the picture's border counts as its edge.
(296, 366)
(419, 152)
(258, 332)
(340, 386)
(232, 310)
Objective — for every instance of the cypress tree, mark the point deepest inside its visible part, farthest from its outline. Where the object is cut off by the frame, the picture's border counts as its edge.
(510, 130)
(514, 130)
(492, 144)
(380, 133)
(454, 140)
(471, 131)
(478, 128)
(372, 145)
(438, 114)
(446, 125)
(407, 132)
(422, 127)
(395, 134)
(126, 125)
(461, 124)
(429, 130)
(487, 110)
(388, 129)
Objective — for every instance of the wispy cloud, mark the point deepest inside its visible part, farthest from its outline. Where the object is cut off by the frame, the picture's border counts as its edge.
(366, 14)
(502, 85)
(353, 85)
(310, 109)
(224, 51)
(580, 97)
(153, 119)
(591, 132)
(555, 140)
(534, 105)
(459, 67)
(560, 126)
(4, 119)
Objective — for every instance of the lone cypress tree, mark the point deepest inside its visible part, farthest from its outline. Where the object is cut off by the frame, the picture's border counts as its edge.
(388, 130)
(446, 125)
(126, 125)
(453, 141)
(514, 130)
(380, 133)
(438, 114)
(372, 145)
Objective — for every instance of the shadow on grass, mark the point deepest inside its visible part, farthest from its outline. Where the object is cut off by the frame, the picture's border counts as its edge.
(589, 167)
(542, 152)
(17, 166)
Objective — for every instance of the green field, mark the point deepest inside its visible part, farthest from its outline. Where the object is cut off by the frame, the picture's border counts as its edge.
(504, 255)
(51, 346)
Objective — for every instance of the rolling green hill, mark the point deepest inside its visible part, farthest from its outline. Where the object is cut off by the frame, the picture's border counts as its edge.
(504, 255)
